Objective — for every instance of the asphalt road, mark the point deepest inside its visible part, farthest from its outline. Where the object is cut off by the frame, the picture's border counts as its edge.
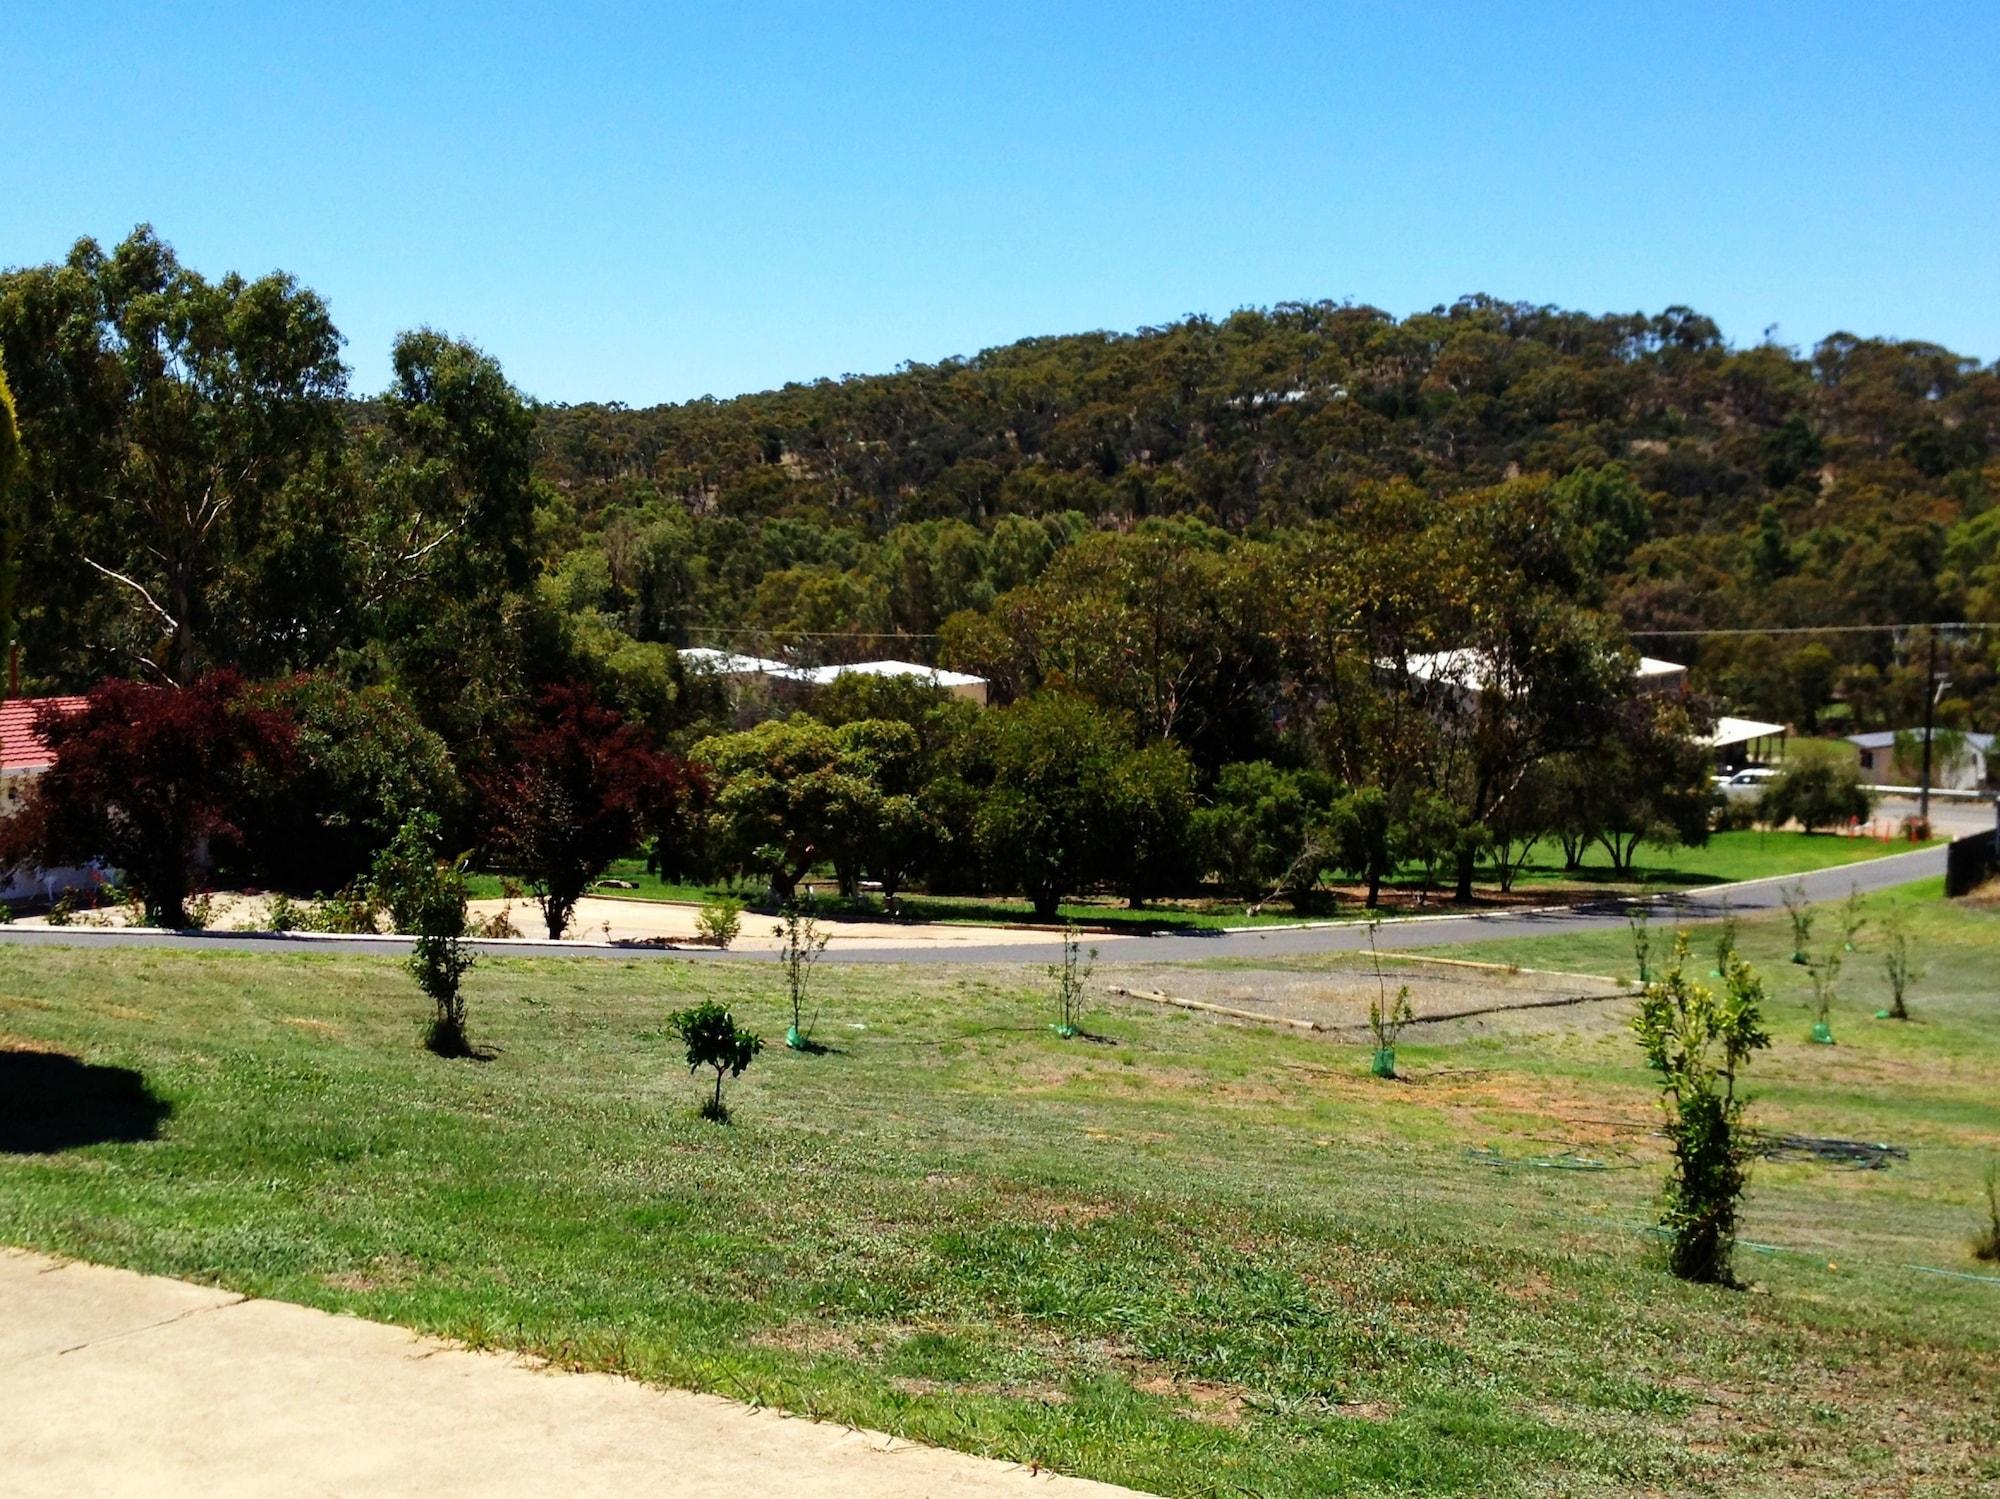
(1254, 942)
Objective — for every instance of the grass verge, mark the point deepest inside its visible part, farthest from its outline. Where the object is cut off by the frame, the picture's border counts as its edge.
(1190, 1256)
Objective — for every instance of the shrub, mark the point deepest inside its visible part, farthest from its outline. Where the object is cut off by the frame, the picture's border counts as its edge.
(284, 914)
(1986, 1245)
(1815, 794)
(719, 921)
(426, 895)
(1697, 1040)
(354, 909)
(499, 924)
(800, 943)
(1736, 817)
(148, 778)
(715, 1040)
(1070, 975)
(582, 787)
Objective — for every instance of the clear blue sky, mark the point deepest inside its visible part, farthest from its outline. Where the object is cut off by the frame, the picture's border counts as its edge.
(650, 202)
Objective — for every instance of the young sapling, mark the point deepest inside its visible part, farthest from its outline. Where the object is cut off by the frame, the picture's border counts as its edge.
(714, 1040)
(1697, 1039)
(800, 943)
(1899, 963)
(1070, 976)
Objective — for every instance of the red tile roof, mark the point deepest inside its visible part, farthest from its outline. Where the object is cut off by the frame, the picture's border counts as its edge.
(21, 748)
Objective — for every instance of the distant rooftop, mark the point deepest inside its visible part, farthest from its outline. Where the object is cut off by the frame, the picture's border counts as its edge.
(1728, 731)
(1468, 667)
(825, 674)
(729, 664)
(21, 748)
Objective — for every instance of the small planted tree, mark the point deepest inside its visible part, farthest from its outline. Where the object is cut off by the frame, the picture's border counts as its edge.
(1725, 939)
(1697, 1039)
(1799, 908)
(800, 944)
(426, 898)
(1386, 1017)
(714, 1040)
(1639, 921)
(1069, 976)
(1853, 917)
(1824, 974)
(1899, 964)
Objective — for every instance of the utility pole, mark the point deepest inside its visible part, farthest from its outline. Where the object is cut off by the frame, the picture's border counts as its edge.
(1930, 723)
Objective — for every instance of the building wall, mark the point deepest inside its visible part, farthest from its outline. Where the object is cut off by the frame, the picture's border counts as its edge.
(33, 885)
(1880, 767)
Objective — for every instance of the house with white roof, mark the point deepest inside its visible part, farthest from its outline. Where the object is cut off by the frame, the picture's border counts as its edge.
(729, 665)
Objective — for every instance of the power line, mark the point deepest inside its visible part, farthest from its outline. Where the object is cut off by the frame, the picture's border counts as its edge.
(1945, 624)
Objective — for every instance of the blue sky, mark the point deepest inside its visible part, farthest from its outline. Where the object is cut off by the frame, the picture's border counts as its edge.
(649, 203)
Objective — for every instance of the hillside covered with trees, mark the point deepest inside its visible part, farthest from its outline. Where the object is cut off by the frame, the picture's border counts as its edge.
(1214, 562)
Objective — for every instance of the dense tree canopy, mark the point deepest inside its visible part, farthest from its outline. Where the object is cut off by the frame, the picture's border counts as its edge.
(1302, 591)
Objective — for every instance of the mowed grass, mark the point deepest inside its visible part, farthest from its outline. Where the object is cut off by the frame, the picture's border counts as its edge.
(1744, 854)
(1186, 1255)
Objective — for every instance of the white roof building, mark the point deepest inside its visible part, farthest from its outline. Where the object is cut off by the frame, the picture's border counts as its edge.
(1469, 667)
(728, 664)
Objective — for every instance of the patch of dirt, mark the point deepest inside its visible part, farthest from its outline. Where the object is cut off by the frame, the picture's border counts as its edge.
(821, 1338)
(383, 1273)
(1207, 1401)
(315, 1027)
(1040, 1394)
(22, 1043)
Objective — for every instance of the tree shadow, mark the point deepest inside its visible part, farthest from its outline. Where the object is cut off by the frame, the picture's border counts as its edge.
(51, 1102)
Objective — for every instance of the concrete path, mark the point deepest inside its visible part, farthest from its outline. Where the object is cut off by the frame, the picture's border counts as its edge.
(114, 1384)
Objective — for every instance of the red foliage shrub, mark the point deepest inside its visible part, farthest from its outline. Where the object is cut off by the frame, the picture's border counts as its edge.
(583, 786)
(149, 779)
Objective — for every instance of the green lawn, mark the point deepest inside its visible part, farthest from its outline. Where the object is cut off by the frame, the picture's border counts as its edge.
(1190, 1256)
(1752, 854)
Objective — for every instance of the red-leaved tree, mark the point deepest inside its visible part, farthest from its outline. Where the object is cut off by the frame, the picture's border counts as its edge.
(148, 779)
(583, 786)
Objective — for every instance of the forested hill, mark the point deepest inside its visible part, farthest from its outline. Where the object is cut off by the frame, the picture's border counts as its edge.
(1181, 516)
(1780, 488)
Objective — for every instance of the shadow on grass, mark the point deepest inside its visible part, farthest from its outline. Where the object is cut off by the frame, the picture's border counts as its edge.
(808, 1047)
(51, 1102)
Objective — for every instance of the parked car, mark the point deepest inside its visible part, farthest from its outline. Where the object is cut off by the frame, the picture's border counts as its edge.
(1746, 785)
